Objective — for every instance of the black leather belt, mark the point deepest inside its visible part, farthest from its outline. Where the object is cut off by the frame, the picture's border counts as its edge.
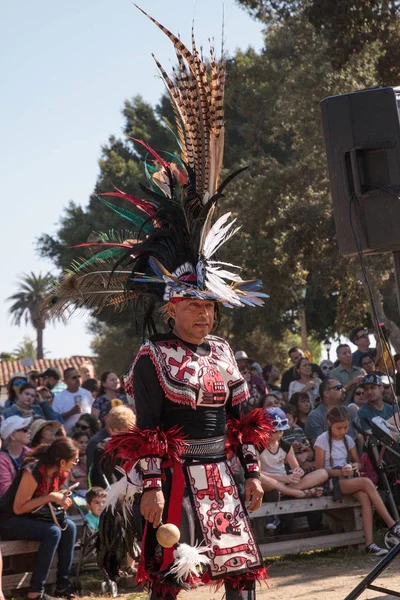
(203, 448)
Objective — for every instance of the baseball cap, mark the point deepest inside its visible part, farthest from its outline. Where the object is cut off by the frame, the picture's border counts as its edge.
(51, 373)
(38, 425)
(278, 418)
(386, 380)
(13, 424)
(241, 355)
(373, 379)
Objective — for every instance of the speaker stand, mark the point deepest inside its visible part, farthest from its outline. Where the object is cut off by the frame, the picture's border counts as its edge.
(367, 582)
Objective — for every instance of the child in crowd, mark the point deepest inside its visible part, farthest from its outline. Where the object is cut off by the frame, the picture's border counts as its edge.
(279, 453)
(79, 471)
(295, 436)
(273, 461)
(332, 450)
(302, 403)
(95, 501)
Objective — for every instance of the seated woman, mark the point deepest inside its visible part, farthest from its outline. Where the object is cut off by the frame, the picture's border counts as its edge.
(332, 451)
(45, 432)
(87, 424)
(39, 482)
(279, 453)
(109, 383)
(304, 380)
(15, 433)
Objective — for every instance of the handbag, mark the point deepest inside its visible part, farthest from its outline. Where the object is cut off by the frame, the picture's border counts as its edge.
(51, 513)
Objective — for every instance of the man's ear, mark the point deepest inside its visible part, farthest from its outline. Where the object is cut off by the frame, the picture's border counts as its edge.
(171, 310)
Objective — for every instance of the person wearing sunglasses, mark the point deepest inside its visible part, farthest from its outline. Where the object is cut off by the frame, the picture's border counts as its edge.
(14, 388)
(359, 336)
(358, 398)
(15, 434)
(73, 401)
(331, 393)
(30, 404)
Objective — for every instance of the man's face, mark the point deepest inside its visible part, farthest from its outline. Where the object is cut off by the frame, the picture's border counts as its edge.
(373, 393)
(296, 355)
(335, 393)
(368, 364)
(73, 381)
(361, 340)
(344, 355)
(387, 393)
(194, 319)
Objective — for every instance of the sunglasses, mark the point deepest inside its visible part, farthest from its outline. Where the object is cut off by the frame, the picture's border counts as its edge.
(83, 427)
(76, 462)
(24, 429)
(279, 422)
(359, 393)
(20, 382)
(337, 387)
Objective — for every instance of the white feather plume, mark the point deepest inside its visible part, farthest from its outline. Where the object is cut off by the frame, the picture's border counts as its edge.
(123, 492)
(188, 560)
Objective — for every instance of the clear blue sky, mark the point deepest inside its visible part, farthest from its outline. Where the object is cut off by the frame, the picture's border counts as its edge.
(67, 68)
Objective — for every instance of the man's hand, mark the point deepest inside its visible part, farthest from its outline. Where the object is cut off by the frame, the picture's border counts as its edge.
(253, 493)
(355, 381)
(152, 506)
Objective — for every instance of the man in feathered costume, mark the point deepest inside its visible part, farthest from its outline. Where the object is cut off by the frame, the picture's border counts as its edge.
(186, 384)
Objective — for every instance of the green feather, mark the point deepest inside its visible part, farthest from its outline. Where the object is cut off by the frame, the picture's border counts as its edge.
(103, 255)
(126, 214)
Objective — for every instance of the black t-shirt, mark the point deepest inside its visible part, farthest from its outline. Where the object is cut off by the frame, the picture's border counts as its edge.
(154, 409)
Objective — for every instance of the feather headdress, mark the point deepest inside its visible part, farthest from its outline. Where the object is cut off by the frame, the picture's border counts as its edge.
(171, 250)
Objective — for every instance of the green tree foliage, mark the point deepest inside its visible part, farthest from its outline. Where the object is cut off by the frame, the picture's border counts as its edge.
(273, 125)
(26, 349)
(27, 305)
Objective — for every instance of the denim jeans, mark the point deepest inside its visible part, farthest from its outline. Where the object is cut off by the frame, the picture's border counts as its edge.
(51, 538)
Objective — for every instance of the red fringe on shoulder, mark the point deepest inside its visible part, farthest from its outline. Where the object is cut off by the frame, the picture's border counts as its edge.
(253, 428)
(140, 443)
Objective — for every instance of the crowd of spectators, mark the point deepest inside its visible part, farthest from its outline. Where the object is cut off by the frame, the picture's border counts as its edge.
(53, 431)
(47, 426)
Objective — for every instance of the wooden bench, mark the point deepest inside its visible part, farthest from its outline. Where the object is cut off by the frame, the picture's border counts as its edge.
(20, 577)
(308, 540)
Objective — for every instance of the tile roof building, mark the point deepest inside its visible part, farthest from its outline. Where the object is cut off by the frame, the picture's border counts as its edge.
(9, 367)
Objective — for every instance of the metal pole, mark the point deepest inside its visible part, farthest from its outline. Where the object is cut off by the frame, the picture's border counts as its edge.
(396, 265)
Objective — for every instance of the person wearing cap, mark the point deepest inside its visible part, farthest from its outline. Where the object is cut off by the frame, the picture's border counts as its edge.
(359, 336)
(374, 406)
(15, 433)
(279, 453)
(346, 372)
(44, 432)
(52, 379)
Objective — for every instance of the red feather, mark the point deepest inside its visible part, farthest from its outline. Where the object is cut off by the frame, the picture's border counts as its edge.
(105, 244)
(158, 158)
(139, 202)
(253, 428)
(139, 443)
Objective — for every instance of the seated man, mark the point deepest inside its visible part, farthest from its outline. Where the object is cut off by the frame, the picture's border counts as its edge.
(331, 393)
(374, 405)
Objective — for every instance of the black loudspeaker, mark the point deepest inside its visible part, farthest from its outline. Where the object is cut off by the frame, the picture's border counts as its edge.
(362, 139)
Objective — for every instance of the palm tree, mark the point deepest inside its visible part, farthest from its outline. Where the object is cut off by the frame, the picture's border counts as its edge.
(28, 304)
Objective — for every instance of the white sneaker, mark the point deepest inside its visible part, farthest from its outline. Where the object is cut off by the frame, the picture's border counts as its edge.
(376, 550)
(273, 523)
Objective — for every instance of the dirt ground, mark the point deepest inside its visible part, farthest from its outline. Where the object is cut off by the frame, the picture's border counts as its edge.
(327, 576)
